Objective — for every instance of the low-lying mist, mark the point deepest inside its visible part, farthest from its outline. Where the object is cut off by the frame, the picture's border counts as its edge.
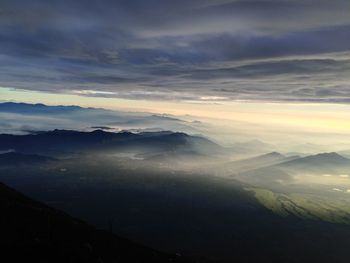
(186, 193)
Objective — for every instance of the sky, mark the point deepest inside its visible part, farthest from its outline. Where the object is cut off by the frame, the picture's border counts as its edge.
(268, 50)
(277, 61)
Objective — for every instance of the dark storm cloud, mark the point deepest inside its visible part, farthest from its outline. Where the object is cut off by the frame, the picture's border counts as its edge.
(164, 49)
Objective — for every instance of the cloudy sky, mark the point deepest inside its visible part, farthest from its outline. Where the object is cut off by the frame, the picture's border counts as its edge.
(280, 65)
(183, 50)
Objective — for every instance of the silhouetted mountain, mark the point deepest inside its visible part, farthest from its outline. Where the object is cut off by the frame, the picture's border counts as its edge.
(61, 141)
(264, 159)
(34, 232)
(260, 161)
(321, 162)
(26, 108)
(79, 118)
(284, 172)
(15, 158)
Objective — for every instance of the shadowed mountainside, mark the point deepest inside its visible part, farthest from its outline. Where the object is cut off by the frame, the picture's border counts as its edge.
(63, 141)
(34, 232)
(318, 162)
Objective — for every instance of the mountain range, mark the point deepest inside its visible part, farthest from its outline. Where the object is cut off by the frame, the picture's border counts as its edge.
(39, 108)
(69, 141)
(259, 161)
(22, 118)
(274, 169)
(319, 162)
(316, 163)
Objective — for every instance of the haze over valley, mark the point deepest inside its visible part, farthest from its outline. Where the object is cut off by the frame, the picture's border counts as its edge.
(152, 185)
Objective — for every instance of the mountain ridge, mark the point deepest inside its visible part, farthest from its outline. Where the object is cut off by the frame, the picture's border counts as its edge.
(57, 140)
(321, 159)
(29, 108)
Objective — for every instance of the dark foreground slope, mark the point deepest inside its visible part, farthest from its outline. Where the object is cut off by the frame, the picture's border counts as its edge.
(33, 232)
(198, 216)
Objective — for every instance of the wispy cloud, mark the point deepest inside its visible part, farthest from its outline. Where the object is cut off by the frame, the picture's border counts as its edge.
(180, 50)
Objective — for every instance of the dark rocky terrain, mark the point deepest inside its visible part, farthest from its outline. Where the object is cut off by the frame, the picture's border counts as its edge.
(33, 232)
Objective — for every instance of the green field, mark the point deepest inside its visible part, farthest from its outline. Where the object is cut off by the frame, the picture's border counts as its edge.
(304, 206)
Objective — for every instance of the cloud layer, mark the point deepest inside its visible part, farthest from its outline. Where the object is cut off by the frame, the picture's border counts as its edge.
(270, 50)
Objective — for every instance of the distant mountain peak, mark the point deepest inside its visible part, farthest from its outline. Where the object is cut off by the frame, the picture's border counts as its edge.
(329, 155)
(10, 103)
(60, 131)
(274, 154)
(318, 160)
(99, 131)
(38, 108)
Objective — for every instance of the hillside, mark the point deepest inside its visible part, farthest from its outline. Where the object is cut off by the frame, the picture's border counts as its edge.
(34, 232)
(321, 160)
(232, 168)
(63, 141)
